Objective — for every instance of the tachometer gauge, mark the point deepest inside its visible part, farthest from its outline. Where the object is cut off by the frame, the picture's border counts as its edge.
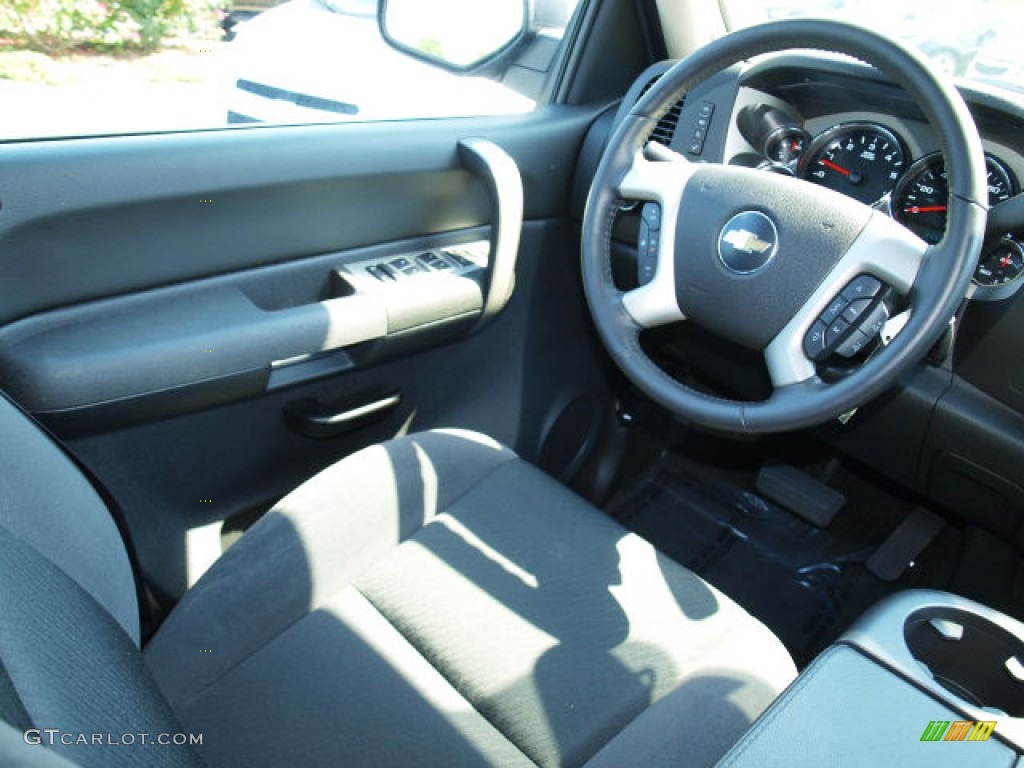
(1002, 265)
(861, 160)
(919, 202)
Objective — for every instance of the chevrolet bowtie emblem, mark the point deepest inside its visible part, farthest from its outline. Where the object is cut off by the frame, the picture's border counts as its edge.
(745, 241)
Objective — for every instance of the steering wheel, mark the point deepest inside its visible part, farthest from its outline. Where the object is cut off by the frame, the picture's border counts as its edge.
(765, 260)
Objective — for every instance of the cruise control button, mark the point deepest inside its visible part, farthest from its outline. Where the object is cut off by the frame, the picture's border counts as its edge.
(834, 310)
(814, 342)
(863, 287)
(856, 310)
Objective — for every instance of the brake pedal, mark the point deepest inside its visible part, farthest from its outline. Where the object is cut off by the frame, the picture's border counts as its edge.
(800, 493)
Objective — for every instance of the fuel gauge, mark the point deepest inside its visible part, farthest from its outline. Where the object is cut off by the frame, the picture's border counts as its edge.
(785, 144)
(1002, 265)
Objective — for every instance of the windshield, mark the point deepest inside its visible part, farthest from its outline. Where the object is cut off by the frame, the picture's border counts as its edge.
(978, 41)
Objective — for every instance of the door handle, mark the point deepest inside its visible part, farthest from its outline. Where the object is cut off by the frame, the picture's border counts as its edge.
(490, 163)
(312, 418)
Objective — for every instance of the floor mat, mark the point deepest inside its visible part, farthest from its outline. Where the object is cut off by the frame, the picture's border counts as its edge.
(806, 584)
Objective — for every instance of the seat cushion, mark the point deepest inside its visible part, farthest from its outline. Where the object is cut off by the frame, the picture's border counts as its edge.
(455, 606)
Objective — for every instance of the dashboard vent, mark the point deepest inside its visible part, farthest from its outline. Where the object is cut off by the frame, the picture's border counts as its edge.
(666, 127)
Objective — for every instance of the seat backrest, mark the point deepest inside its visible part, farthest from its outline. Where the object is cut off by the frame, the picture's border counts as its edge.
(69, 628)
(48, 504)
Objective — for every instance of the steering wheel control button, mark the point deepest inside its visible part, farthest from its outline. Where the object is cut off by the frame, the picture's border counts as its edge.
(877, 318)
(854, 343)
(646, 251)
(862, 287)
(748, 242)
(814, 342)
(835, 333)
(856, 310)
(835, 309)
(652, 216)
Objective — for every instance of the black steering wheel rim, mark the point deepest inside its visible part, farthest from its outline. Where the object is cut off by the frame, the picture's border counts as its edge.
(937, 290)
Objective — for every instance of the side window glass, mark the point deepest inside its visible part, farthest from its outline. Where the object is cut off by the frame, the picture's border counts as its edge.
(90, 67)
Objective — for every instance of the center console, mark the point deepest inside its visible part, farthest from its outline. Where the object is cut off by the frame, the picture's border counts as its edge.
(922, 679)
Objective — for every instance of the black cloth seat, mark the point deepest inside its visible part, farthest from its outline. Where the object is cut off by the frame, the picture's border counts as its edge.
(434, 600)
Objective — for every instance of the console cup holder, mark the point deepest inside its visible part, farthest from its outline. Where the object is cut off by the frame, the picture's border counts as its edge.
(965, 654)
(969, 656)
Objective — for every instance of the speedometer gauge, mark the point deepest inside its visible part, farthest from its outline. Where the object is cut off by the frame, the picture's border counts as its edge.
(919, 202)
(861, 160)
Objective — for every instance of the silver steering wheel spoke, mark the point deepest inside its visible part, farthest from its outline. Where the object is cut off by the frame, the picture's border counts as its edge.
(884, 250)
(661, 181)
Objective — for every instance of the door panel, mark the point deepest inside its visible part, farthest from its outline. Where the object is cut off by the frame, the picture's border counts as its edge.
(93, 218)
(141, 322)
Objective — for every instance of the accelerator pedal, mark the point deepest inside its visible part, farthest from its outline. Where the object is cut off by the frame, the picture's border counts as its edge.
(905, 544)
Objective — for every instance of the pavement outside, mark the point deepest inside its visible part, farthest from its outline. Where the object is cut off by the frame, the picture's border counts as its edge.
(181, 88)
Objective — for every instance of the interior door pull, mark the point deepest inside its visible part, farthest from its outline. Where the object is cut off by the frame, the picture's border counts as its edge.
(315, 419)
(490, 163)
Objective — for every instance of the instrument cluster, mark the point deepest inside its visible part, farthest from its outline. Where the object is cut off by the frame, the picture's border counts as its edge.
(871, 163)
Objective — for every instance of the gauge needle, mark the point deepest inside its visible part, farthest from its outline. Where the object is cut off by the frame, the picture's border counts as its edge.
(925, 209)
(834, 167)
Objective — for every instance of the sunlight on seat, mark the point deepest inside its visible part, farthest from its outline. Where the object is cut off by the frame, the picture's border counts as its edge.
(474, 437)
(428, 477)
(488, 551)
(202, 548)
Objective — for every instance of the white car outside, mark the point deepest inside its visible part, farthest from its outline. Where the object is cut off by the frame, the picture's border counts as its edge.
(306, 62)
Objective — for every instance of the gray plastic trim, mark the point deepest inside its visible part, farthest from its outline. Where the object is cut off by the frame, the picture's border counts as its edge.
(492, 164)
(655, 303)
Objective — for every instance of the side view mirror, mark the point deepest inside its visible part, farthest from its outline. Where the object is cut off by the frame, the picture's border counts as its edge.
(458, 35)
